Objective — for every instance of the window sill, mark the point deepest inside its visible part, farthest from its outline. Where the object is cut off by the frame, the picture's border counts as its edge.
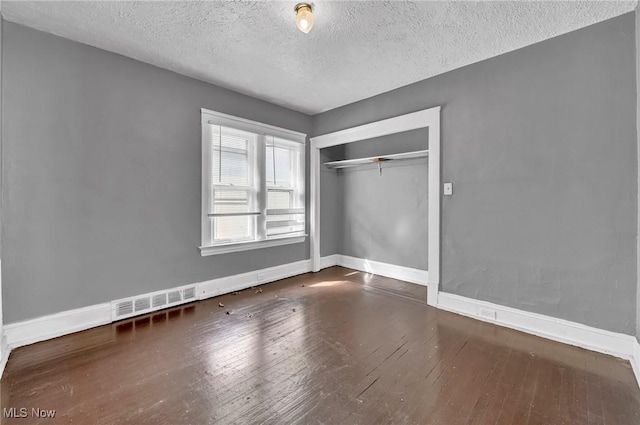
(246, 246)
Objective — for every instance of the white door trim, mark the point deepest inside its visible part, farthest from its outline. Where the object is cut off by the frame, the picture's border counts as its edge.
(427, 118)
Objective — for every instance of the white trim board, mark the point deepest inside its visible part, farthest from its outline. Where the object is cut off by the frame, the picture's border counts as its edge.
(218, 118)
(58, 324)
(635, 361)
(54, 325)
(408, 274)
(412, 121)
(329, 261)
(224, 285)
(6, 351)
(572, 333)
(247, 246)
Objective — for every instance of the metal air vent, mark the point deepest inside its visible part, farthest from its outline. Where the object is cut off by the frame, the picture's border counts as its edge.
(146, 303)
(124, 308)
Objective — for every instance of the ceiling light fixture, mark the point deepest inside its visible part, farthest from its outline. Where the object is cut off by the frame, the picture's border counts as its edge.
(304, 17)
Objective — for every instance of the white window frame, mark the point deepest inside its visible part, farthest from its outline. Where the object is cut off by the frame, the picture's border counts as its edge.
(209, 118)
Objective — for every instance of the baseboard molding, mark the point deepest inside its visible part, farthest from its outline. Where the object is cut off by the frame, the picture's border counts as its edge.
(407, 274)
(577, 334)
(635, 361)
(5, 350)
(54, 325)
(224, 285)
(329, 261)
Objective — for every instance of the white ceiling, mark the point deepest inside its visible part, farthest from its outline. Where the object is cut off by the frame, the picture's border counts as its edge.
(356, 49)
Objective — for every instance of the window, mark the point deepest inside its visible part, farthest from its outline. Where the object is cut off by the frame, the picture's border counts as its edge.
(252, 185)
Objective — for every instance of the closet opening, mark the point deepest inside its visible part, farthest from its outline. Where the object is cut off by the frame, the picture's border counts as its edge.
(376, 199)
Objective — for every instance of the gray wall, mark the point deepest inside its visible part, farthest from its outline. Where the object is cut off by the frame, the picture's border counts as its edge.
(384, 217)
(101, 169)
(637, 15)
(332, 194)
(2, 337)
(541, 146)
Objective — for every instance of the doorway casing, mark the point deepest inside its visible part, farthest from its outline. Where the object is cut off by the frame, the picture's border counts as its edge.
(428, 119)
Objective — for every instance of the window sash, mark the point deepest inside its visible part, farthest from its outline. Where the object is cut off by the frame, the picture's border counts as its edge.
(284, 211)
(218, 234)
(232, 150)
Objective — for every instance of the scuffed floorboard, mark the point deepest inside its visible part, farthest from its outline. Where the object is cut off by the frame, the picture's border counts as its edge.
(345, 348)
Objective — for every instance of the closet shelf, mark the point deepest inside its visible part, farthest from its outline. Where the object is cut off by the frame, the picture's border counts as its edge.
(376, 159)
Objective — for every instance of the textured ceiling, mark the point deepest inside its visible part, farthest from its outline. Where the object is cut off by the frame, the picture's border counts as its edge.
(355, 50)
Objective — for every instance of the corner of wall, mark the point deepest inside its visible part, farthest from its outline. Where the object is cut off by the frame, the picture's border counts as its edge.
(637, 45)
(4, 348)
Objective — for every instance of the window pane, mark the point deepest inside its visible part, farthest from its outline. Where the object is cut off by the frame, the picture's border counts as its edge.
(279, 199)
(285, 224)
(230, 160)
(234, 228)
(280, 156)
(284, 173)
(230, 201)
(235, 169)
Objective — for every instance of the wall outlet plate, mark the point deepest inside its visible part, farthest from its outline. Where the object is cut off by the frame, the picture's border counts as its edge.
(448, 189)
(488, 313)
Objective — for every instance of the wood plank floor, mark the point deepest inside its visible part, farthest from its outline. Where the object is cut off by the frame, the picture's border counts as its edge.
(345, 348)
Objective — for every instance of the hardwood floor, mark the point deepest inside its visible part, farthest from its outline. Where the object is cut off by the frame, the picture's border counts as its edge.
(342, 349)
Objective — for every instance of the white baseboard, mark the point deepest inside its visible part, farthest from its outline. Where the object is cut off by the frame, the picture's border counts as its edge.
(329, 261)
(224, 285)
(417, 276)
(5, 350)
(407, 274)
(58, 324)
(594, 339)
(70, 321)
(635, 361)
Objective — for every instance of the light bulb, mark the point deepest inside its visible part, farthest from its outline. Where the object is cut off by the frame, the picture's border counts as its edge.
(304, 17)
